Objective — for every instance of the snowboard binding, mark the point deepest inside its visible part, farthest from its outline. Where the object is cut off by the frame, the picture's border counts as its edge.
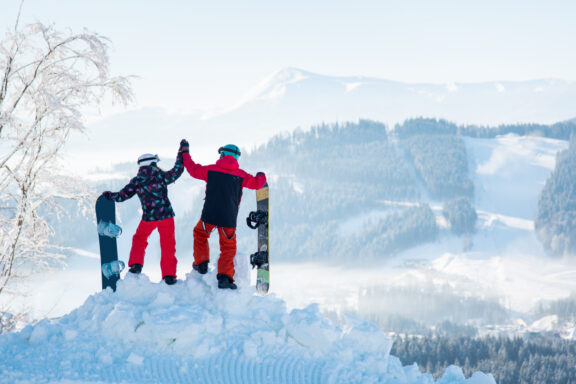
(113, 268)
(257, 218)
(259, 259)
(109, 229)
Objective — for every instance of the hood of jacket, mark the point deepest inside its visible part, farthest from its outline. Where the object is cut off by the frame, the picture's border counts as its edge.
(228, 163)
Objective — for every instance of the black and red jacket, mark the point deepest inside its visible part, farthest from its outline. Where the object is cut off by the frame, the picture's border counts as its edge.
(224, 183)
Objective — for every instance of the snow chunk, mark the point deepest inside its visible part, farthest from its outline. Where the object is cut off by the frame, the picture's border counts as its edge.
(40, 333)
(352, 86)
(135, 359)
(309, 329)
(545, 324)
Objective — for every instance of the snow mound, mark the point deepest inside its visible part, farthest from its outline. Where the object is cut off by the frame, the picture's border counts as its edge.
(149, 332)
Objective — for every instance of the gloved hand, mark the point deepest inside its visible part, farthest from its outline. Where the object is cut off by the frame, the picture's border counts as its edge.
(261, 173)
(184, 146)
(107, 195)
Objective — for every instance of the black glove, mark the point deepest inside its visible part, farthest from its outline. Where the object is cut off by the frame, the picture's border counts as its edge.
(184, 146)
(107, 195)
(261, 173)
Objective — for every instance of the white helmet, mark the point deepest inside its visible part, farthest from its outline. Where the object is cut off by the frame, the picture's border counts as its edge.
(147, 159)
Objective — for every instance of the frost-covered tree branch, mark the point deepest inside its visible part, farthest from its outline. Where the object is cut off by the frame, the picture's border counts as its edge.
(47, 77)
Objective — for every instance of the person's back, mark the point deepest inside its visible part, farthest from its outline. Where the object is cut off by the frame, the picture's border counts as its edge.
(151, 187)
(224, 184)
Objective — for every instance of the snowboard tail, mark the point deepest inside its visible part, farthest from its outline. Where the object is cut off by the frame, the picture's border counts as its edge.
(110, 267)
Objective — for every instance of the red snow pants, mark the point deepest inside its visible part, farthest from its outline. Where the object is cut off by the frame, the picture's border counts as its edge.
(165, 228)
(202, 232)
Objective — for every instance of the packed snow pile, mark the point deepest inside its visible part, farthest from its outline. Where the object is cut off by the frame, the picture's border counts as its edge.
(193, 332)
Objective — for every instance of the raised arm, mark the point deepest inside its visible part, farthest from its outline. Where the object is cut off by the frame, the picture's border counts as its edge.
(195, 170)
(176, 171)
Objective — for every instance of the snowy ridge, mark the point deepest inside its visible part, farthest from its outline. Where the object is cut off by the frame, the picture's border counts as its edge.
(195, 333)
(307, 98)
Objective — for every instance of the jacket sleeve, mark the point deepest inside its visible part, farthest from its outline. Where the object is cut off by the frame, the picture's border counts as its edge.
(173, 174)
(195, 170)
(254, 182)
(125, 193)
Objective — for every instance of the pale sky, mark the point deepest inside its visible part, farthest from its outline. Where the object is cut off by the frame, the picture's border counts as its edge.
(205, 54)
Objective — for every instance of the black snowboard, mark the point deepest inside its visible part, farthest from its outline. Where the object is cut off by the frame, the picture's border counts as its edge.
(106, 215)
(261, 259)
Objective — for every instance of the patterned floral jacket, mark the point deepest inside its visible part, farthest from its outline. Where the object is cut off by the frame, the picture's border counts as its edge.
(151, 185)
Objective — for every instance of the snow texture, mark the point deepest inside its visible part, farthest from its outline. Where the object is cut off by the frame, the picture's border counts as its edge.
(193, 332)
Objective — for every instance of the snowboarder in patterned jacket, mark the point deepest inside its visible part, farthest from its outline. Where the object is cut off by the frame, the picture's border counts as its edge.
(151, 186)
(224, 183)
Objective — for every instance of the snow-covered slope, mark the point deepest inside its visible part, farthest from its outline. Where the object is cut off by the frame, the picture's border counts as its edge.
(193, 332)
(506, 259)
(505, 263)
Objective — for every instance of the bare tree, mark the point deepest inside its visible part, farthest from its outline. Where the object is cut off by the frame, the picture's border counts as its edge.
(46, 78)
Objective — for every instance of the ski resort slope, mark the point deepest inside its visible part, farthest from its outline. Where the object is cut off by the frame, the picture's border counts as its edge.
(505, 259)
(193, 332)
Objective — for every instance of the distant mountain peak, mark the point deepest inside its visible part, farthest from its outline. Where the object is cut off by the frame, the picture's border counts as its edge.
(274, 86)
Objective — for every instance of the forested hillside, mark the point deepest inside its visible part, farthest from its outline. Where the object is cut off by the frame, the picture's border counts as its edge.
(561, 130)
(442, 164)
(330, 175)
(556, 220)
(510, 360)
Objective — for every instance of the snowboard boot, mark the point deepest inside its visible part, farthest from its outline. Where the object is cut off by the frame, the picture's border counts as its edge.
(135, 268)
(170, 280)
(225, 282)
(202, 268)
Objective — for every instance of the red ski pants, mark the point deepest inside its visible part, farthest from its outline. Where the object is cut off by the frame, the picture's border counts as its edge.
(202, 232)
(165, 228)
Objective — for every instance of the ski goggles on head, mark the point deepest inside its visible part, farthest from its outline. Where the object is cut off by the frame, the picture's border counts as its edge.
(221, 150)
(148, 159)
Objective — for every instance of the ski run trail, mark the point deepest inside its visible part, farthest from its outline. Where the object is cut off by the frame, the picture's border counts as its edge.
(193, 332)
